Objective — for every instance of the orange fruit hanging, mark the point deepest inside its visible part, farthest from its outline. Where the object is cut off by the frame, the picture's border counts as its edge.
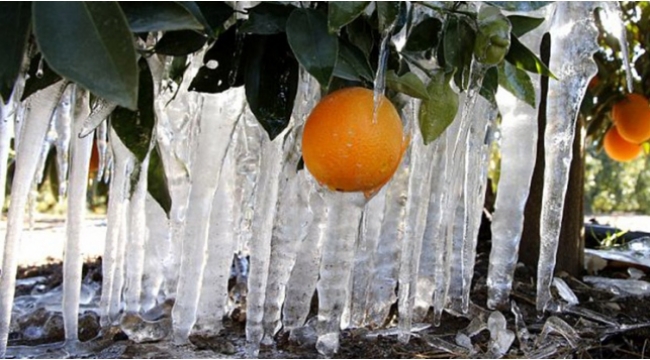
(632, 118)
(345, 149)
(619, 149)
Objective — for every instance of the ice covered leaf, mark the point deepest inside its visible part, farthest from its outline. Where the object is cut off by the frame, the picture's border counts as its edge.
(409, 84)
(458, 45)
(211, 14)
(352, 63)
(90, 43)
(14, 27)
(361, 34)
(179, 43)
(517, 82)
(490, 85)
(135, 127)
(157, 184)
(424, 35)
(161, 16)
(387, 13)
(220, 70)
(271, 81)
(523, 24)
(520, 56)
(315, 48)
(267, 18)
(519, 5)
(341, 13)
(437, 113)
(38, 66)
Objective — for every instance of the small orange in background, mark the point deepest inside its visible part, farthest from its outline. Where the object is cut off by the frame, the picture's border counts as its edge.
(344, 148)
(619, 149)
(632, 118)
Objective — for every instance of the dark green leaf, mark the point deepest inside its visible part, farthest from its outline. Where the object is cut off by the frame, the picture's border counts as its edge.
(424, 35)
(90, 44)
(409, 84)
(439, 111)
(341, 13)
(352, 64)
(523, 24)
(157, 183)
(520, 5)
(38, 80)
(490, 84)
(271, 81)
(458, 47)
(158, 16)
(361, 35)
(211, 14)
(177, 70)
(267, 18)
(517, 82)
(315, 48)
(520, 56)
(221, 69)
(15, 18)
(180, 43)
(135, 128)
(387, 13)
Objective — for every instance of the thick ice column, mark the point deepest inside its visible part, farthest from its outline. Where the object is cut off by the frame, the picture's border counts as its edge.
(72, 256)
(157, 245)
(5, 141)
(219, 116)
(220, 250)
(573, 43)
(344, 215)
(39, 108)
(117, 204)
(134, 257)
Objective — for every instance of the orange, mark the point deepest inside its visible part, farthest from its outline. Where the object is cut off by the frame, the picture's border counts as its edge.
(345, 149)
(619, 149)
(632, 118)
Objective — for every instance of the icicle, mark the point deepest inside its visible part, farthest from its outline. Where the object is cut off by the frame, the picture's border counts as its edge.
(380, 76)
(157, 243)
(260, 245)
(72, 256)
(344, 215)
(615, 25)
(62, 124)
(5, 141)
(573, 44)
(101, 109)
(417, 205)
(220, 250)
(134, 257)
(38, 112)
(219, 116)
(117, 290)
(101, 136)
(117, 205)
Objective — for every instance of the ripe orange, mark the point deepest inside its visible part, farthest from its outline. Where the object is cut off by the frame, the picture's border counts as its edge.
(345, 149)
(632, 118)
(619, 149)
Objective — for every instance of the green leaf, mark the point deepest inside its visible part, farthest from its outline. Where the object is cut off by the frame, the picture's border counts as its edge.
(221, 65)
(409, 84)
(361, 35)
(424, 35)
(523, 24)
(90, 44)
(520, 5)
(458, 47)
(341, 13)
(211, 14)
(15, 18)
(315, 48)
(157, 183)
(271, 81)
(180, 43)
(520, 56)
(517, 82)
(38, 80)
(267, 18)
(439, 111)
(490, 84)
(352, 63)
(145, 16)
(387, 13)
(135, 128)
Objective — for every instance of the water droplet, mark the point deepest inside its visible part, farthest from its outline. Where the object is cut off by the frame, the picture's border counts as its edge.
(212, 64)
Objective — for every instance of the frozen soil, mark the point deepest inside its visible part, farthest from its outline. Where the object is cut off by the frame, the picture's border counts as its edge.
(606, 326)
